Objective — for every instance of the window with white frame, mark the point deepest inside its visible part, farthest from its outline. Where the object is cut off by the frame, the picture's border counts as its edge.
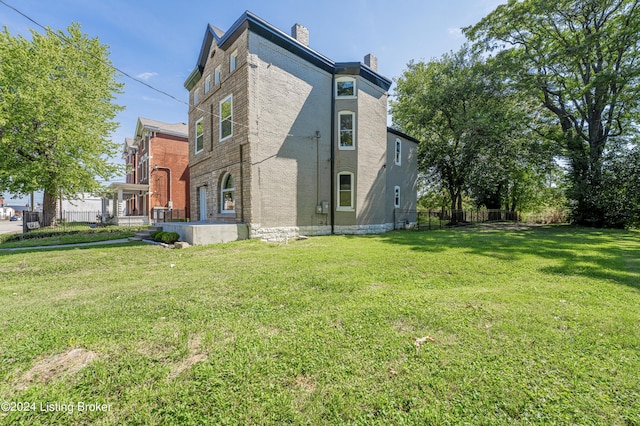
(227, 195)
(398, 152)
(199, 130)
(345, 191)
(196, 96)
(347, 126)
(396, 197)
(233, 61)
(345, 87)
(226, 118)
(216, 75)
(207, 84)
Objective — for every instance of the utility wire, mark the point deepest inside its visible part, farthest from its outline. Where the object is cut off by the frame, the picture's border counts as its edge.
(135, 79)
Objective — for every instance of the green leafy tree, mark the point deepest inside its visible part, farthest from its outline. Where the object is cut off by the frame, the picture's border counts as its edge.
(471, 128)
(581, 59)
(56, 114)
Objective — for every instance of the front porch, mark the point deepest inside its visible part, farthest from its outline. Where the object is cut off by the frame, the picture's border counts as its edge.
(121, 193)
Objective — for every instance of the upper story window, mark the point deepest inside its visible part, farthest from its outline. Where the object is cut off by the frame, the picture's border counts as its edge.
(347, 126)
(216, 75)
(396, 197)
(227, 195)
(345, 87)
(207, 84)
(345, 191)
(199, 136)
(398, 152)
(226, 118)
(233, 61)
(196, 96)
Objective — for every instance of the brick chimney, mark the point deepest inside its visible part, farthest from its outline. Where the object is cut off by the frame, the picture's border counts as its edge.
(300, 33)
(371, 61)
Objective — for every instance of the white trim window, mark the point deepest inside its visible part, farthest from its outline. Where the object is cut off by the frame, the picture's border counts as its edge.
(227, 195)
(396, 197)
(207, 84)
(398, 152)
(345, 185)
(216, 76)
(196, 96)
(346, 87)
(226, 118)
(233, 61)
(347, 130)
(199, 132)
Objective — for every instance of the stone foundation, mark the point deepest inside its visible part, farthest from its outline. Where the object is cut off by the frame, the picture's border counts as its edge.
(285, 232)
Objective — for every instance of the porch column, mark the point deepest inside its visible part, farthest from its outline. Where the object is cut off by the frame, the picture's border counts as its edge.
(119, 203)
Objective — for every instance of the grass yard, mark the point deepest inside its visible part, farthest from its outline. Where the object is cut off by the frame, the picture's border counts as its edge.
(530, 326)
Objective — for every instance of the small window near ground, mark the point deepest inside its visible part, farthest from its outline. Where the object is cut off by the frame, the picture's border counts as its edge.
(227, 195)
(199, 130)
(398, 152)
(226, 118)
(345, 191)
(346, 120)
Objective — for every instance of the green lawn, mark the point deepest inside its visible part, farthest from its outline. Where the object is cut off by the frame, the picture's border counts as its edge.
(70, 234)
(536, 326)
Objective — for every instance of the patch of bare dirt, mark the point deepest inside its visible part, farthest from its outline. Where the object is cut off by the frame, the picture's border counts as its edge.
(67, 363)
(195, 355)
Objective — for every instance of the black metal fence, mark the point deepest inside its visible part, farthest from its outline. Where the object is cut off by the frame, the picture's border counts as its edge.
(173, 215)
(438, 219)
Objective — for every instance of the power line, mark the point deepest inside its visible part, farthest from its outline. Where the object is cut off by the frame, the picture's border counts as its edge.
(135, 79)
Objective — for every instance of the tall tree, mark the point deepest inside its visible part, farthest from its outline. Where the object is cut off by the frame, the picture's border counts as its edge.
(470, 128)
(56, 114)
(581, 58)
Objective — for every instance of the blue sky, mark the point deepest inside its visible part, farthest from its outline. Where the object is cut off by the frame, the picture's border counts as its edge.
(158, 41)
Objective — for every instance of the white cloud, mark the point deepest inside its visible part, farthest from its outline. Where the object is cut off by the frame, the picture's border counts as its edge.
(146, 75)
(455, 32)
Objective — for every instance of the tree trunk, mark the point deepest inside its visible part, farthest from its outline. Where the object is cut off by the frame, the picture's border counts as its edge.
(49, 209)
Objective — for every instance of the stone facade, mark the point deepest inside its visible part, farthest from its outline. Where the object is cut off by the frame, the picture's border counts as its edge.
(284, 155)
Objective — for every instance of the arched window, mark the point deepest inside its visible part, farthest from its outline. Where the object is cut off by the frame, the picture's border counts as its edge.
(345, 186)
(398, 152)
(228, 195)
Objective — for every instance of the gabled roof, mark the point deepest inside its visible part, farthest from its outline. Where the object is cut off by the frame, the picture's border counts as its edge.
(175, 129)
(261, 27)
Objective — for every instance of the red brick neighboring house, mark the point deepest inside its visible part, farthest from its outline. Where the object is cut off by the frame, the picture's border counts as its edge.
(157, 181)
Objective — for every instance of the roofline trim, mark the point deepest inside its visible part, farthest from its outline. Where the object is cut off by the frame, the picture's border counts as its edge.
(266, 30)
(402, 135)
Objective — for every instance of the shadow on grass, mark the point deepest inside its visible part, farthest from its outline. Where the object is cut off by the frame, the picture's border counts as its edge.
(69, 247)
(610, 254)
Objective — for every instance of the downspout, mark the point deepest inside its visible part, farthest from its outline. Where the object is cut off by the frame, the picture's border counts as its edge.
(332, 191)
(149, 213)
(242, 183)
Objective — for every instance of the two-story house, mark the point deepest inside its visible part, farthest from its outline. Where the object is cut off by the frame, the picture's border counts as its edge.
(290, 142)
(157, 180)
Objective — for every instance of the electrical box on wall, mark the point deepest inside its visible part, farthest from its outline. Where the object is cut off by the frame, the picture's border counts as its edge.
(318, 209)
(325, 207)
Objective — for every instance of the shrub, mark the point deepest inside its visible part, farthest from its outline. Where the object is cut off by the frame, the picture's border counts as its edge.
(154, 234)
(170, 237)
(165, 237)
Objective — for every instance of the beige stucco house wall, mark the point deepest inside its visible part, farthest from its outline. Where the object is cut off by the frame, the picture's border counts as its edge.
(297, 163)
